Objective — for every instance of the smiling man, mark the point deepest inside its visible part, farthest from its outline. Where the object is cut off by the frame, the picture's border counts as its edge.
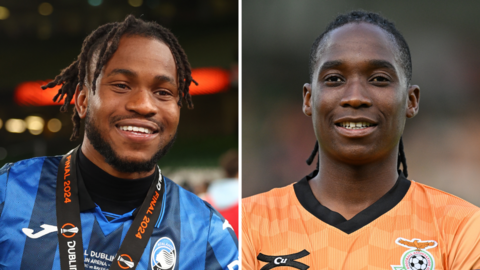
(106, 204)
(357, 210)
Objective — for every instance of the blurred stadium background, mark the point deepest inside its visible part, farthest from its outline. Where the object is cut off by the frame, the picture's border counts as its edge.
(39, 38)
(441, 143)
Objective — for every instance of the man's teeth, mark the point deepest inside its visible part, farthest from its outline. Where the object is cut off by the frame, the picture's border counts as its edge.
(355, 125)
(136, 129)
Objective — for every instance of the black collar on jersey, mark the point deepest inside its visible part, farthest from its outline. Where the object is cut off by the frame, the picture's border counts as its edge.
(306, 198)
(69, 224)
(112, 194)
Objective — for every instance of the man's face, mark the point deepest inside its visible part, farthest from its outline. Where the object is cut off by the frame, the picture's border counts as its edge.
(132, 118)
(359, 97)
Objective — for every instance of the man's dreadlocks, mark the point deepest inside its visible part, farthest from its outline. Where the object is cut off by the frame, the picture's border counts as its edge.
(105, 39)
(359, 16)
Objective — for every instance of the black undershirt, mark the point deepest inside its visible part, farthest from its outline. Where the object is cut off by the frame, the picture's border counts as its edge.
(114, 195)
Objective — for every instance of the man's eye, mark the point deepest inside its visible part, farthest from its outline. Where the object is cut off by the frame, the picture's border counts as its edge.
(333, 79)
(121, 86)
(380, 79)
(162, 93)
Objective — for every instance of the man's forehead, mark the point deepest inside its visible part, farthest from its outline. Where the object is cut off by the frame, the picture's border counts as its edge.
(122, 45)
(356, 41)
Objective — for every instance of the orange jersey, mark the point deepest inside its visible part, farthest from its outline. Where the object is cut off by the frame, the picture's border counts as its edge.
(412, 227)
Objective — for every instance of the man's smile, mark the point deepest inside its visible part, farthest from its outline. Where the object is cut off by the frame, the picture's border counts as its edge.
(355, 132)
(138, 130)
(135, 129)
(355, 126)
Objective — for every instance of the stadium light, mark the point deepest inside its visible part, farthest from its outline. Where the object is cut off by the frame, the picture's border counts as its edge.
(15, 125)
(54, 125)
(135, 3)
(45, 9)
(35, 124)
(210, 81)
(4, 13)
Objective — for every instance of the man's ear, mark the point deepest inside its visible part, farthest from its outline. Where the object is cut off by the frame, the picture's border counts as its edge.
(81, 101)
(413, 103)
(307, 97)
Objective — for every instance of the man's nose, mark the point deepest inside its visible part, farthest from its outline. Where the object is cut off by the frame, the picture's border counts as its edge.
(356, 95)
(142, 102)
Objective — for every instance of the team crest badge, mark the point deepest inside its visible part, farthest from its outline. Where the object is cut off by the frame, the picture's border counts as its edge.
(417, 257)
(164, 254)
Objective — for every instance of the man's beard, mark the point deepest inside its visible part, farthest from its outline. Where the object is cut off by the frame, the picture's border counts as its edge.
(113, 159)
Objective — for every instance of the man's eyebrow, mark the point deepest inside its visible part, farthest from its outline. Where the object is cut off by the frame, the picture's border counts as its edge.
(373, 63)
(381, 64)
(126, 72)
(165, 78)
(331, 64)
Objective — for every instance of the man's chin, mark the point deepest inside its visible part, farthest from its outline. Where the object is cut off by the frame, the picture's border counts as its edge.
(129, 165)
(125, 158)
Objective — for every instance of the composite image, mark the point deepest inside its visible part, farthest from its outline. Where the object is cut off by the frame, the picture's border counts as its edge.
(255, 135)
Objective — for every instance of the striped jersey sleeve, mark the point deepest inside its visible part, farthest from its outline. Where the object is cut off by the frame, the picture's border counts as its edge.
(222, 244)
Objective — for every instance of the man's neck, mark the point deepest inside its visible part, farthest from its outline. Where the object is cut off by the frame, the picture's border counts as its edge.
(99, 160)
(349, 189)
(111, 194)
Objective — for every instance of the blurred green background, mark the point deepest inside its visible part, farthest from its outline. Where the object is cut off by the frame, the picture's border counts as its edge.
(39, 38)
(441, 142)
